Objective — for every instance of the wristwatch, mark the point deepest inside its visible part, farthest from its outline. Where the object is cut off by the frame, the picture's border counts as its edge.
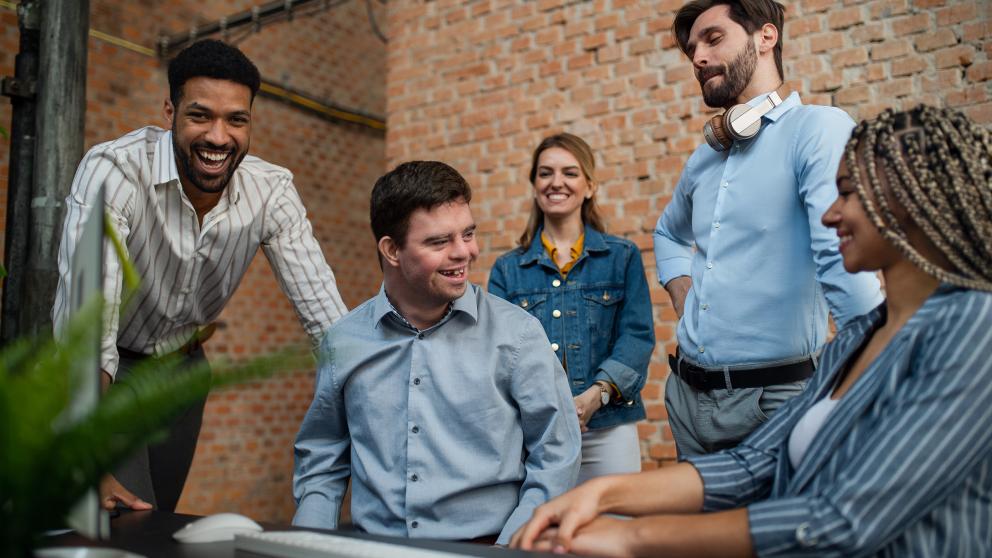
(604, 393)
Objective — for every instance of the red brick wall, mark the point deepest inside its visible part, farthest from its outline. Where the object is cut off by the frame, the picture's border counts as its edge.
(479, 83)
(244, 460)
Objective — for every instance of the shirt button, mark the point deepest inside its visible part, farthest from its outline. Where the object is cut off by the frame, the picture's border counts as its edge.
(414, 477)
(709, 265)
(803, 536)
(414, 524)
(706, 307)
(416, 381)
(716, 225)
(420, 336)
(701, 349)
(416, 429)
(556, 283)
(554, 347)
(725, 184)
(556, 313)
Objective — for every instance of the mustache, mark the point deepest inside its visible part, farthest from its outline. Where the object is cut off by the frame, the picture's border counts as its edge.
(708, 72)
(212, 146)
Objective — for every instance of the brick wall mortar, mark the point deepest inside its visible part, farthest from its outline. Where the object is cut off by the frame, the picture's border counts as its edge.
(479, 91)
(244, 460)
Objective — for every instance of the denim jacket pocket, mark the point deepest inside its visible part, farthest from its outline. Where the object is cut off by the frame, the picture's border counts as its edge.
(602, 305)
(532, 303)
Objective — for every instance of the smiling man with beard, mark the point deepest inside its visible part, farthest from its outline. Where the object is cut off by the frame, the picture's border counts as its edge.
(753, 297)
(192, 208)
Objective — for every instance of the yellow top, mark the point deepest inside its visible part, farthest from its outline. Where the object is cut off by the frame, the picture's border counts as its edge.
(574, 252)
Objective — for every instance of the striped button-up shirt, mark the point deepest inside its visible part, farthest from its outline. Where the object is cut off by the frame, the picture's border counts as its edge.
(903, 465)
(189, 270)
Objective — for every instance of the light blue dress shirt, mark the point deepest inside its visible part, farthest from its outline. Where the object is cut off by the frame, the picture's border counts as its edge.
(454, 432)
(764, 267)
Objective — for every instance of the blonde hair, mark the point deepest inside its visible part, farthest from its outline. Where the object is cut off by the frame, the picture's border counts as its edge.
(938, 166)
(587, 163)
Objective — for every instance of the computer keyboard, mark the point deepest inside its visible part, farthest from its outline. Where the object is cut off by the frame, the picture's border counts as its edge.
(307, 544)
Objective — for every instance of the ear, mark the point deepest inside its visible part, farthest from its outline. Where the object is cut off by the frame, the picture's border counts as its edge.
(767, 38)
(389, 251)
(169, 112)
(592, 190)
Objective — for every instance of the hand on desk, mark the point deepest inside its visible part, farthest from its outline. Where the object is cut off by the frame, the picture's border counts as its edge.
(113, 493)
(555, 523)
(603, 536)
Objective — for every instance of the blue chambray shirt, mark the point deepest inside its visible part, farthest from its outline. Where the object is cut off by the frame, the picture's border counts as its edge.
(765, 268)
(453, 432)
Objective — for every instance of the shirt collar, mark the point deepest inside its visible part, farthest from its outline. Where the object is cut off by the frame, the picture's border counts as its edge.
(594, 241)
(166, 171)
(466, 304)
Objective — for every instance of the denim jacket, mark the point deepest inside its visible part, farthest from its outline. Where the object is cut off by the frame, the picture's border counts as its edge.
(599, 318)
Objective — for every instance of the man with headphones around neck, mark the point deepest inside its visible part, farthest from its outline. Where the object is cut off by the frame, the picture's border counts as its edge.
(753, 296)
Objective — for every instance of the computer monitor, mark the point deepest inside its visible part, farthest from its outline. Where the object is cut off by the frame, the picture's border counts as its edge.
(86, 277)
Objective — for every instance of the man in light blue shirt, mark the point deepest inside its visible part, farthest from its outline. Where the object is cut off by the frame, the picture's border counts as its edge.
(753, 296)
(445, 405)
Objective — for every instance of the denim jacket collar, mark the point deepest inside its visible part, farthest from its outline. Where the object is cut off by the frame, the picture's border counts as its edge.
(594, 242)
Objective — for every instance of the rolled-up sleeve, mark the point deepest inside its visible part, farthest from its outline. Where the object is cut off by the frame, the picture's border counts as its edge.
(819, 146)
(673, 233)
(550, 426)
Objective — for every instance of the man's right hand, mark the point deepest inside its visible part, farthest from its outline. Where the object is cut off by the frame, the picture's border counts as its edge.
(113, 493)
(678, 289)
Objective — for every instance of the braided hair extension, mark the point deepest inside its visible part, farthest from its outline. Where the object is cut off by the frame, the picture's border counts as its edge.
(938, 166)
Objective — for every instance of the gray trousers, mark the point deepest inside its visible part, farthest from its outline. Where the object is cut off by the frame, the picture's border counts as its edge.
(157, 472)
(708, 421)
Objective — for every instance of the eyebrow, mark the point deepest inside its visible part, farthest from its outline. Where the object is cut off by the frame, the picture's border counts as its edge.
(691, 43)
(194, 106)
(547, 167)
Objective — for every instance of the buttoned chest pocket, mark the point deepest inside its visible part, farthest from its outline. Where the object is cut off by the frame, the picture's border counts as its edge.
(601, 307)
(532, 303)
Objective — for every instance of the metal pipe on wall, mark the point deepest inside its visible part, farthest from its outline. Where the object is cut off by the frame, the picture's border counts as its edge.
(59, 126)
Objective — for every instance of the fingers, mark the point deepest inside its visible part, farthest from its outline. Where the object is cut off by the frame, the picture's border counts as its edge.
(113, 493)
(525, 536)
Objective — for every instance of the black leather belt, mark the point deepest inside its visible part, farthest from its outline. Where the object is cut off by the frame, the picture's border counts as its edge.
(706, 379)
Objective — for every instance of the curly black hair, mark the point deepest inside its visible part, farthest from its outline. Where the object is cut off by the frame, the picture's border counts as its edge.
(213, 59)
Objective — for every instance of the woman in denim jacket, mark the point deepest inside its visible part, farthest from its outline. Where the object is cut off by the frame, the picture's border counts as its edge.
(589, 291)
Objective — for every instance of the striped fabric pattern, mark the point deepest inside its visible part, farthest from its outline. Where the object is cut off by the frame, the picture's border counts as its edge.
(189, 271)
(902, 467)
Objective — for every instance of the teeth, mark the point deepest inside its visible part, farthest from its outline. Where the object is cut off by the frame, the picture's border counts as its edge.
(215, 157)
(557, 197)
(456, 273)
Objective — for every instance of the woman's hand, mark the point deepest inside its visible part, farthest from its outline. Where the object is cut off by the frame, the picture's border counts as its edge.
(603, 536)
(562, 516)
(586, 404)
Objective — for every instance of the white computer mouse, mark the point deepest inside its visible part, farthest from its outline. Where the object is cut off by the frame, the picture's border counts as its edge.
(217, 527)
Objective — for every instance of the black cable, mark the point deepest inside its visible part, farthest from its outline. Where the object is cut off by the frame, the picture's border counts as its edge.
(375, 26)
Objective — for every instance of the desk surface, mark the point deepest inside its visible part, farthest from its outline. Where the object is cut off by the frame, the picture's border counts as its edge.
(149, 533)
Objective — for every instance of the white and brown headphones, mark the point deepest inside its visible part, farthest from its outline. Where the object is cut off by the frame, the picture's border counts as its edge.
(744, 122)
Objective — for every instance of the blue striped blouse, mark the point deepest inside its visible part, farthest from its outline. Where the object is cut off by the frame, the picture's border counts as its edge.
(903, 466)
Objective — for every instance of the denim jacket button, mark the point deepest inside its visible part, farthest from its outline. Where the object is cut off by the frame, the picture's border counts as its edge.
(524, 303)
(556, 313)
(556, 283)
(554, 347)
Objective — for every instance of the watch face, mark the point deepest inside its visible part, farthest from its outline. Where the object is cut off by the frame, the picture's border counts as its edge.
(604, 397)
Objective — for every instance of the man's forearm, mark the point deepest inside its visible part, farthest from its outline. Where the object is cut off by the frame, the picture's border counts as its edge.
(716, 534)
(678, 289)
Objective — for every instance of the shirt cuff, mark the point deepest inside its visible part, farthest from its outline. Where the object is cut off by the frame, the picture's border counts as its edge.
(670, 268)
(621, 377)
(713, 470)
(782, 526)
(316, 511)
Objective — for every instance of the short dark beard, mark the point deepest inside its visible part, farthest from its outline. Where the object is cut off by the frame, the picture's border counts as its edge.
(184, 162)
(736, 77)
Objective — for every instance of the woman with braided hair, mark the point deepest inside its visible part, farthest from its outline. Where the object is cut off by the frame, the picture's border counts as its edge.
(888, 452)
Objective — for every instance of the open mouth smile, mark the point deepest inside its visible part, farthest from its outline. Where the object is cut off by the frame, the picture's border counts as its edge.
(212, 161)
(453, 273)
